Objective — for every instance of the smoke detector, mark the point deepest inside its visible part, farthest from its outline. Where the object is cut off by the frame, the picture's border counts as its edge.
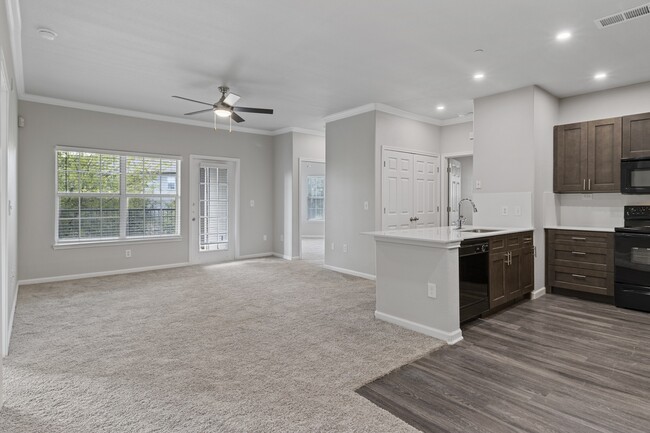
(47, 34)
(623, 16)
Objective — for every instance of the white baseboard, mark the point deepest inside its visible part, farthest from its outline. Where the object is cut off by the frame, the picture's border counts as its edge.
(282, 256)
(99, 274)
(255, 256)
(448, 337)
(311, 237)
(350, 272)
(538, 293)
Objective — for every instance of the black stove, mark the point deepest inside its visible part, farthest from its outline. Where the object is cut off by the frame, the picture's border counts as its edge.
(632, 260)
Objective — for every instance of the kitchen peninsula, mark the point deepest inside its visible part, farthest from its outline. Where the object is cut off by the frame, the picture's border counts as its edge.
(418, 275)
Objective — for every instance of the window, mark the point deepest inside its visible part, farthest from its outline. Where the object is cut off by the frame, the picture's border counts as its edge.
(315, 198)
(112, 197)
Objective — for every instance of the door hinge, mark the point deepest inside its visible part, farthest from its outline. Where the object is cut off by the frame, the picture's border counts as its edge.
(448, 208)
(448, 169)
(437, 208)
(384, 163)
(438, 169)
(384, 210)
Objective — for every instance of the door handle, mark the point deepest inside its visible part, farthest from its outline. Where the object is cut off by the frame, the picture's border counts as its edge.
(411, 219)
(578, 239)
(589, 184)
(578, 253)
(416, 219)
(578, 276)
(584, 184)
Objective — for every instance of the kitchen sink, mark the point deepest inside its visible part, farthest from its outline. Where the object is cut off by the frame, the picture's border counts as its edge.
(478, 230)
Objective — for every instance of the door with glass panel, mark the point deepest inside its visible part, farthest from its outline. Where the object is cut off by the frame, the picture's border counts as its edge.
(212, 211)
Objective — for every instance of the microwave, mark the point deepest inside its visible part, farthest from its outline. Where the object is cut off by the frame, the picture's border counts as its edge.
(635, 176)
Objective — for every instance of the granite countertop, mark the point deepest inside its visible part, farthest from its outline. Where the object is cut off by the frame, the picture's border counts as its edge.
(581, 228)
(443, 236)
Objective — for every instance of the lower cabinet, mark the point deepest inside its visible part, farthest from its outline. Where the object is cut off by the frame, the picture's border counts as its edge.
(512, 267)
(580, 261)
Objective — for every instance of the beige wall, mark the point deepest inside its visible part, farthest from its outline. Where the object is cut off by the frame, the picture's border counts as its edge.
(48, 126)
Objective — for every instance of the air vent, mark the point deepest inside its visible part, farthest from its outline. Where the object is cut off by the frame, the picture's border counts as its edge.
(624, 16)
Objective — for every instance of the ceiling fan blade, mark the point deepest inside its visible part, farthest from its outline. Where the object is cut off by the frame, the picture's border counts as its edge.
(231, 99)
(236, 117)
(197, 112)
(192, 100)
(253, 110)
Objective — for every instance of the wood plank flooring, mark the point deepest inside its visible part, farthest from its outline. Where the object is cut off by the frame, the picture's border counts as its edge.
(556, 364)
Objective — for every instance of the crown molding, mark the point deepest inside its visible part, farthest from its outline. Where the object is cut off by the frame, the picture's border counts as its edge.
(383, 108)
(298, 131)
(137, 114)
(457, 120)
(15, 39)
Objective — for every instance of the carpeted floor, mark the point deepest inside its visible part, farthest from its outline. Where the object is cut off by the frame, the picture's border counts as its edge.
(254, 346)
(313, 249)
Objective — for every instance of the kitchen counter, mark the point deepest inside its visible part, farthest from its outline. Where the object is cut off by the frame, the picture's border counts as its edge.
(444, 237)
(418, 277)
(580, 228)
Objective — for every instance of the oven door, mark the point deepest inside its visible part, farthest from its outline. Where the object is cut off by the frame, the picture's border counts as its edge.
(632, 258)
(635, 176)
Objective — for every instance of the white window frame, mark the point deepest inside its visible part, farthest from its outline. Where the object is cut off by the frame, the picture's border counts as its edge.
(322, 219)
(123, 196)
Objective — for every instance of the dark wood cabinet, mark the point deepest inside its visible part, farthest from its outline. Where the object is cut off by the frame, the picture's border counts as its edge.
(512, 267)
(580, 261)
(587, 156)
(636, 136)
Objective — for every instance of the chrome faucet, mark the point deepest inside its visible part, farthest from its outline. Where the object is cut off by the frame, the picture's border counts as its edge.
(460, 217)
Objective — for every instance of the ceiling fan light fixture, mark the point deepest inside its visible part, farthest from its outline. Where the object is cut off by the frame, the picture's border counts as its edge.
(222, 112)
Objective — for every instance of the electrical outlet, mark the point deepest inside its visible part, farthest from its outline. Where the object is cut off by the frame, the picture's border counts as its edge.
(517, 210)
(365, 205)
(345, 248)
(587, 197)
(332, 247)
(264, 237)
(478, 184)
(432, 291)
(252, 203)
(504, 210)
(127, 253)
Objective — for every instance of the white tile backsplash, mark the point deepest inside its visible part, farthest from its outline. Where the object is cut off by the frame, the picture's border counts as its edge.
(491, 207)
(596, 210)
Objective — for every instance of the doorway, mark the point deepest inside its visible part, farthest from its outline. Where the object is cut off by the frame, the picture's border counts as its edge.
(460, 185)
(214, 200)
(312, 209)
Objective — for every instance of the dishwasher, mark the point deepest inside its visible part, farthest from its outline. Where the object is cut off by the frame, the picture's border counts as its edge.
(474, 266)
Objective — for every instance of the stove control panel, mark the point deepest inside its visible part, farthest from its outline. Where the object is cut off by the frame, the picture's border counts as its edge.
(637, 212)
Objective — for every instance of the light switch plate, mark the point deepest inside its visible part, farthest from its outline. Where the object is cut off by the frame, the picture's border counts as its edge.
(432, 291)
(478, 184)
(365, 205)
(504, 210)
(517, 210)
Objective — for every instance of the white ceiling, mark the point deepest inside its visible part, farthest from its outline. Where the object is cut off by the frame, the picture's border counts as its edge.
(310, 59)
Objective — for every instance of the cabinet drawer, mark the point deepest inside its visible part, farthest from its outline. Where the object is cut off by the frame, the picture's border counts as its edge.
(513, 241)
(582, 280)
(498, 244)
(527, 239)
(581, 238)
(581, 256)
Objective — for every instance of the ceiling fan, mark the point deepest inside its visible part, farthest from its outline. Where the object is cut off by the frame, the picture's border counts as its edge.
(225, 106)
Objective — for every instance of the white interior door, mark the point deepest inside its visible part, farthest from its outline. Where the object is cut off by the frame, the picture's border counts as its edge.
(454, 172)
(397, 190)
(212, 211)
(426, 203)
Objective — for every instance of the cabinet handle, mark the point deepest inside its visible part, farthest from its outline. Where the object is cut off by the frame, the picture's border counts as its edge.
(578, 253)
(589, 184)
(584, 184)
(578, 239)
(578, 276)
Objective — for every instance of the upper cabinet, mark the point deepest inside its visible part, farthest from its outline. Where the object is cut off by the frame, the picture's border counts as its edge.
(587, 157)
(636, 136)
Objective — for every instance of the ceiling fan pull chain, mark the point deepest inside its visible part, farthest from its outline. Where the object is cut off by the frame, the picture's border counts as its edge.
(230, 130)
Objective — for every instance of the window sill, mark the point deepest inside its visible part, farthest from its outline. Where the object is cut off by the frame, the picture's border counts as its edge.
(66, 246)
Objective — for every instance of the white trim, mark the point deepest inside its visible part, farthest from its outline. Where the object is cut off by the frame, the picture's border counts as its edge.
(117, 242)
(99, 274)
(137, 114)
(449, 337)
(64, 148)
(254, 256)
(298, 131)
(350, 272)
(10, 324)
(407, 150)
(538, 293)
(383, 108)
(300, 212)
(282, 256)
(15, 24)
(457, 120)
(311, 237)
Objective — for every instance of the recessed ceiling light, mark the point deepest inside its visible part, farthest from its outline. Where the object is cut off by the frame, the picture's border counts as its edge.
(563, 36)
(479, 76)
(440, 107)
(47, 34)
(600, 76)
